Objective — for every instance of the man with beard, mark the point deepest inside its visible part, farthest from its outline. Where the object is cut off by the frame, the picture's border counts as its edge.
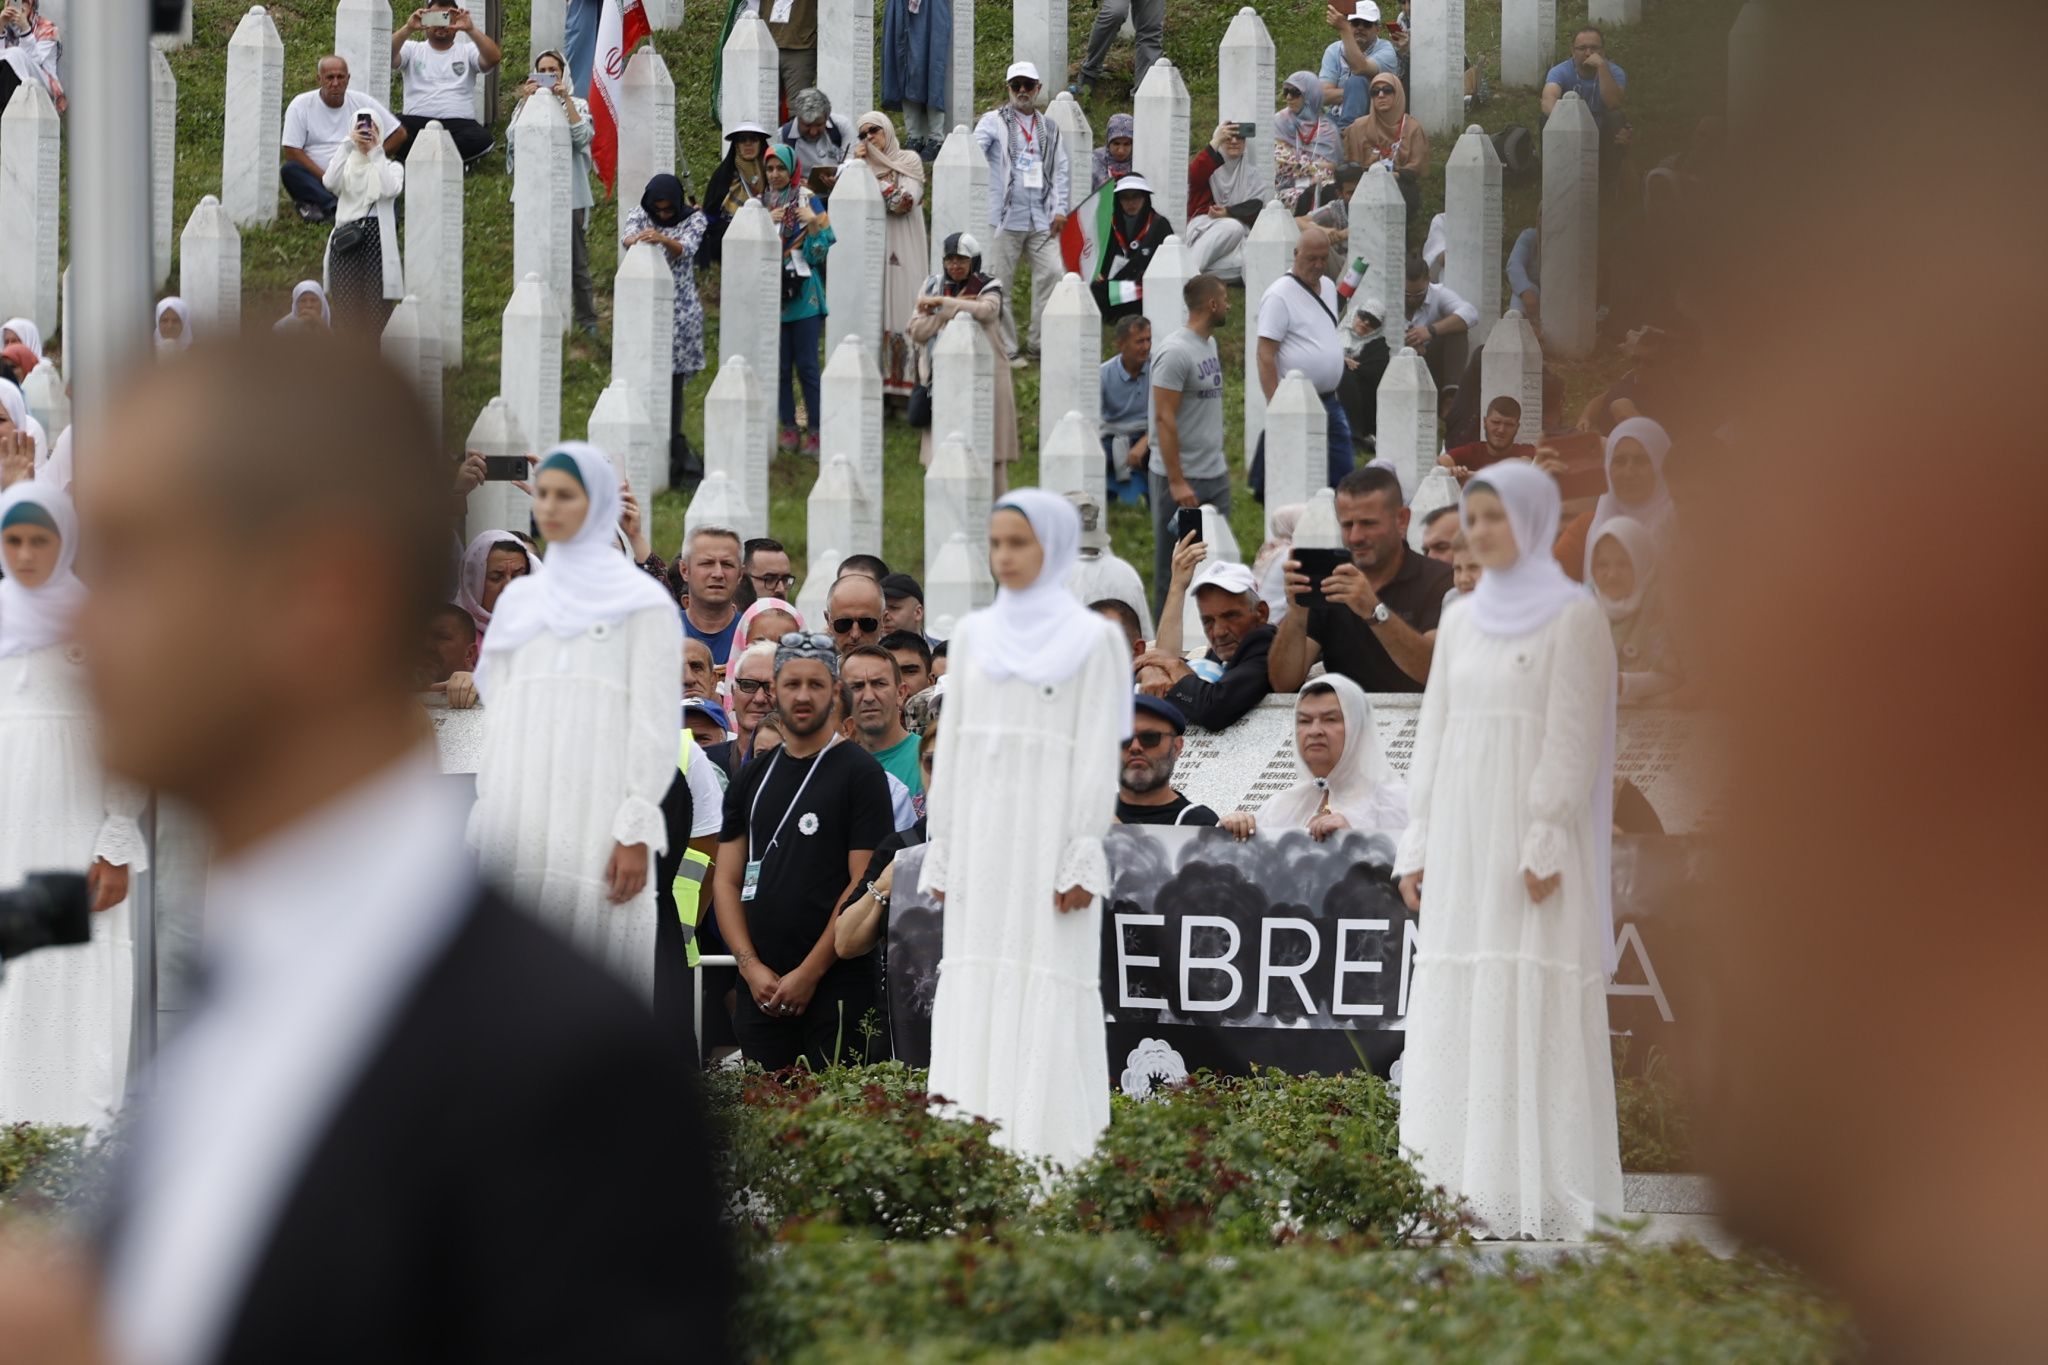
(1145, 794)
(799, 829)
(1231, 679)
(1187, 467)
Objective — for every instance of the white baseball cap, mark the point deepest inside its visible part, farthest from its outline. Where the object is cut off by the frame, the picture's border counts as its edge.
(1025, 69)
(1367, 11)
(1221, 573)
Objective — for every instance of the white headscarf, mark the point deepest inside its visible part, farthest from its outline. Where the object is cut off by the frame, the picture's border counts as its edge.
(300, 290)
(1642, 552)
(1042, 634)
(1361, 787)
(1521, 597)
(16, 408)
(1652, 513)
(587, 582)
(176, 305)
(30, 334)
(469, 587)
(31, 618)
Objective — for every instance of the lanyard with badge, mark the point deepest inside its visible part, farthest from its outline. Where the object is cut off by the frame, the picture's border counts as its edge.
(752, 883)
(1030, 171)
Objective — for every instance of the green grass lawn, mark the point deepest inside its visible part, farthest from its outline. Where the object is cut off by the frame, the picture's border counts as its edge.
(1676, 63)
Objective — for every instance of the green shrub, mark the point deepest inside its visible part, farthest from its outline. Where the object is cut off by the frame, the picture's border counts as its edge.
(1656, 1123)
(45, 1168)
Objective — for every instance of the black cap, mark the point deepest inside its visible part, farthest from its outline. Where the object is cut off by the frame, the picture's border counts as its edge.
(1163, 709)
(902, 585)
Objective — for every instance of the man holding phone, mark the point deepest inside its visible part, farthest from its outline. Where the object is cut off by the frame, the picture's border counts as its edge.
(441, 73)
(320, 122)
(1187, 468)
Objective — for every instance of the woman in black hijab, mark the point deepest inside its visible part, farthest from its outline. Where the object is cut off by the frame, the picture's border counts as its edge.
(666, 220)
(743, 175)
(1136, 231)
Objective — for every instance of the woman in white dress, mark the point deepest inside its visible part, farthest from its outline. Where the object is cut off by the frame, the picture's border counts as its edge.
(1346, 781)
(1507, 1094)
(581, 676)
(1038, 696)
(63, 1011)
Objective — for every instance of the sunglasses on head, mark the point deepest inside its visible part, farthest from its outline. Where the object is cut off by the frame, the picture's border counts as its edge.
(842, 624)
(1148, 740)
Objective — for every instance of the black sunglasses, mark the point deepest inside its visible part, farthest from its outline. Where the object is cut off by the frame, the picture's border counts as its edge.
(1020, 85)
(1383, 90)
(1147, 740)
(751, 685)
(842, 624)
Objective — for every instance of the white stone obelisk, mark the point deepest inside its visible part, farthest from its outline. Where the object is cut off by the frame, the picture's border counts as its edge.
(959, 192)
(43, 391)
(1159, 144)
(750, 297)
(647, 124)
(163, 164)
(1379, 236)
(362, 38)
(1407, 419)
(210, 271)
(666, 15)
(1436, 64)
(1472, 206)
(1439, 488)
(1268, 254)
(846, 58)
(960, 104)
(1528, 37)
(1038, 34)
(31, 164)
(541, 209)
(496, 505)
(1245, 86)
(1070, 459)
(850, 395)
(1160, 295)
(254, 121)
(738, 433)
(1072, 120)
(750, 74)
(1512, 367)
(859, 256)
(409, 350)
(963, 396)
(835, 510)
(1571, 228)
(530, 373)
(717, 502)
(1070, 363)
(957, 581)
(433, 236)
(948, 491)
(619, 425)
(643, 336)
(1297, 444)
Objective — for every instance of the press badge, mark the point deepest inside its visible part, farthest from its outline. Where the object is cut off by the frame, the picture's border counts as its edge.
(753, 880)
(1029, 174)
(780, 14)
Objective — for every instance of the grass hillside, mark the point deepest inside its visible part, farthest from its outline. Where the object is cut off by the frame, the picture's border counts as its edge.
(1676, 63)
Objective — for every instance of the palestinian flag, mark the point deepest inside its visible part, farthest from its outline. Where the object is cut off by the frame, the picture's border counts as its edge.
(1087, 228)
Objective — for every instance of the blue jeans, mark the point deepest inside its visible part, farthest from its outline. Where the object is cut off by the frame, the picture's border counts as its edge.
(1337, 443)
(306, 188)
(800, 342)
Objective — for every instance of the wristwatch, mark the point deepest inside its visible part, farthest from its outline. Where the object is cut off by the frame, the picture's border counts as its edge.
(1379, 615)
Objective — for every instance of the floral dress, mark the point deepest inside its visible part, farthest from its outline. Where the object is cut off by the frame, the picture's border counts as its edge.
(689, 323)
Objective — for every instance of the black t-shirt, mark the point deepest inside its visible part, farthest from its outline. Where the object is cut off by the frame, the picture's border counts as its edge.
(1168, 814)
(1416, 595)
(845, 806)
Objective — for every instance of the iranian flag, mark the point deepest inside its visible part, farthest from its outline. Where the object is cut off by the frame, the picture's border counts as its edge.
(618, 33)
(1087, 230)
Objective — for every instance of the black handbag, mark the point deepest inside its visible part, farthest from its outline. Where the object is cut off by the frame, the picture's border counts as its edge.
(919, 410)
(350, 237)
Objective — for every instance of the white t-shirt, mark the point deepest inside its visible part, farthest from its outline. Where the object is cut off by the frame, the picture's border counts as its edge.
(320, 131)
(440, 84)
(1305, 329)
(1440, 303)
(707, 798)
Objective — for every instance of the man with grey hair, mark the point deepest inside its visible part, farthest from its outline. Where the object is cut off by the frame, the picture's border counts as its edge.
(1227, 681)
(820, 137)
(1027, 199)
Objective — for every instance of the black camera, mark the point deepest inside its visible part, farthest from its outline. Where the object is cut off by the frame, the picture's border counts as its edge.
(48, 910)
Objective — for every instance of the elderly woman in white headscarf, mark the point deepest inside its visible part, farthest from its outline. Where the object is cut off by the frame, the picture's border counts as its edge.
(1038, 700)
(1507, 1096)
(309, 310)
(581, 676)
(173, 326)
(1346, 782)
(1226, 190)
(1636, 450)
(362, 265)
(25, 332)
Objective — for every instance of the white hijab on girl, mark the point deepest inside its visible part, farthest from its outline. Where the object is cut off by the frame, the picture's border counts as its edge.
(1652, 513)
(32, 618)
(1633, 537)
(184, 338)
(587, 581)
(1361, 787)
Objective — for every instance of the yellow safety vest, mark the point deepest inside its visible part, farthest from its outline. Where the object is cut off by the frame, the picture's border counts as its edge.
(690, 873)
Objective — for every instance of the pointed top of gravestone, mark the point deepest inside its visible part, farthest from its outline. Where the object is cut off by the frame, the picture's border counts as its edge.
(1474, 145)
(1162, 82)
(748, 32)
(950, 460)
(35, 103)
(1075, 431)
(752, 224)
(1275, 223)
(255, 28)
(647, 68)
(850, 357)
(967, 340)
(1318, 529)
(856, 185)
(531, 298)
(1247, 29)
(1293, 396)
(547, 111)
(717, 502)
(208, 217)
(836, 478)
(496, 428)
(1571, 113)
(1512, 315)
(619, 404)
(1439, 488)
(958, 149)
(734, 380)
(1071, 298)
(405, 318)
(645, 260)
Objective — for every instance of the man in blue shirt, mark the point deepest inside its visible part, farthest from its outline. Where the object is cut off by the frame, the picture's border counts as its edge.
(1126, 396)
(1350, 63)
(1603, 86)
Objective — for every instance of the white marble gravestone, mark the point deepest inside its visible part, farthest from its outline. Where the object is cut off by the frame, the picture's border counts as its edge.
(643, 335)
(647, 123)
(1072, 120)
(1407, 419)
(1317, 529)
(1512, 366)
(43, 391)
(541, 206)
(530, 368)
(1159, 145)
(619, 425)
(1472, 206)
(750, 74)
(547, 27)
(1268, 254)
(163, 164)
(31, 163)
(850, 393)
(1038, 34)
(964, 401)
(1614, 11)
(1379, 235)
(210, 271)
(664, 14)
(254, 122)
(1160, 297)
(1070, 355)
(1245, 85)
(433, 236)
(1528, 40)
(1219, 546)
(409, 347)
(750, 301)
(846, 55)
(1070, 458)
(1436, 64)
(362, 38)
(960, 103)
(820, 573)
(717, 502)
(948, 492)
(836, 508)
(959, 192)
(496, 505)
(1438, 489)
(738, 435)
(858, 258)
(1571, 228)
(1297, 445)
(956, 583)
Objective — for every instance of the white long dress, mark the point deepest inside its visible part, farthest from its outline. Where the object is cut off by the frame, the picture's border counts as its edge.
(63, 1011)
(1025, 787)
(579, 748)
(1507, 1092)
